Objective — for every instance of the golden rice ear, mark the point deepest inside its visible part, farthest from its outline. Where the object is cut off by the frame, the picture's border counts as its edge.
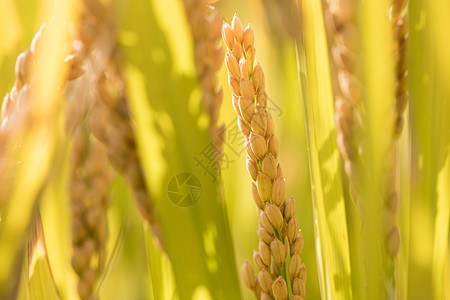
(278, 233)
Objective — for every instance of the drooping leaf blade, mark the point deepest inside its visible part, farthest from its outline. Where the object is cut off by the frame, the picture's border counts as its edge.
(170, 135)
(379, 120)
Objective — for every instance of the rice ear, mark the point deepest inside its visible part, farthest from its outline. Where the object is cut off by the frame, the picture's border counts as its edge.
(262, 154)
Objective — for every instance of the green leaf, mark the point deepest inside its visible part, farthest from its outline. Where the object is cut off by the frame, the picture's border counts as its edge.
(171, 133)
(332, 245)
(40, 278)
(163, 281)
(23, 293)
(378, 71)
(430, 95)
(126, 275)
(440, 16)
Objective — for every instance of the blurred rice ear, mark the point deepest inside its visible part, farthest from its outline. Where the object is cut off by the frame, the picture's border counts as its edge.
(39, 133)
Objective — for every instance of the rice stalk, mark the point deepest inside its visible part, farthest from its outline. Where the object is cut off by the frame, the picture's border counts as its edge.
(281, 273)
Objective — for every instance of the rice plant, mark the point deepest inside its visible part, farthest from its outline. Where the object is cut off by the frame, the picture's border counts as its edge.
(165, 150)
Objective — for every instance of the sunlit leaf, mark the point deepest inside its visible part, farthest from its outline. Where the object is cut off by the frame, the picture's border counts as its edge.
(163, 282)
(170, 135)
(379, 104)
(332, 246)
(126, 250)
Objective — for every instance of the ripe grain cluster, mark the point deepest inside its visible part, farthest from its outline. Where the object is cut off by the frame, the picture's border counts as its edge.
(280, 272)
